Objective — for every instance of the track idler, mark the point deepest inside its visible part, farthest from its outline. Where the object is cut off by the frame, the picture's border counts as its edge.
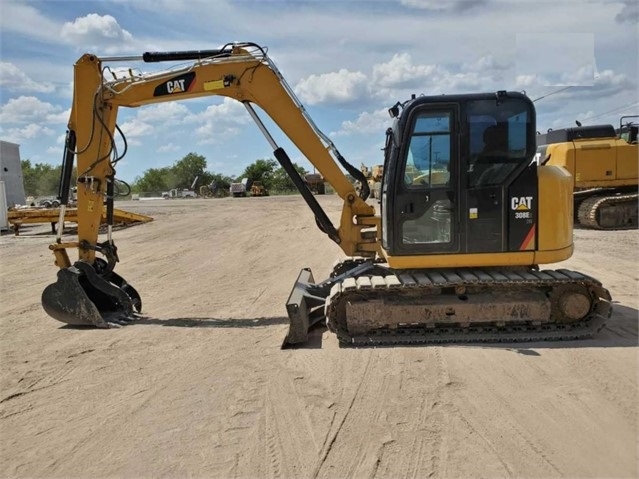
(83, 297)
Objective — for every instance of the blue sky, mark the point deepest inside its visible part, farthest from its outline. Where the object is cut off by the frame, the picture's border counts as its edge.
(347, 61)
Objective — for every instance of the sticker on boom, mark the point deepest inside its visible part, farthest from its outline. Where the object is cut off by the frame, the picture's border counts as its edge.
(179, 84)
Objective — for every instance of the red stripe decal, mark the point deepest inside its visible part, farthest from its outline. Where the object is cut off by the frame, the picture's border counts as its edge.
(529, 240)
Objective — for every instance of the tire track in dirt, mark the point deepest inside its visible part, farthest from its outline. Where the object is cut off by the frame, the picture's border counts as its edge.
(535, 420)
(439, 459)
(423, 417)
(511, 430)
(336, 426)
(607, 382)
(127, 411)
(394, 425)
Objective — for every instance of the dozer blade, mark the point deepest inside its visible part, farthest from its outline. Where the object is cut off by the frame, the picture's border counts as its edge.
(81, 297)
(305, 307)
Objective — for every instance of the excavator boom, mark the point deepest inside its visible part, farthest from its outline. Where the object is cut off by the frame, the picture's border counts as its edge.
(89, 292)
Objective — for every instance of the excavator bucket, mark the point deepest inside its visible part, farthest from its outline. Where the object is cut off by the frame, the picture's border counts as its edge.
(305, 307)
(81, 297)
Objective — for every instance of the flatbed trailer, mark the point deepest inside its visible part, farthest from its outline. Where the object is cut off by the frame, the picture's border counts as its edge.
(18, 217)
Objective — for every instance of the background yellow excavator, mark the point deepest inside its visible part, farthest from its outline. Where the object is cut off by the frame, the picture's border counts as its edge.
(466, 214)
(604, 166)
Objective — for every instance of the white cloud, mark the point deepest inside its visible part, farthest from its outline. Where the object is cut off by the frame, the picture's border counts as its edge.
(365, 123)
(20, 18)
(218, 122)
(229, 110)
(400, 77)
(28, 132)
(610, 79)
(447, 5)
(169, 112)
(54, 151)
(484, 64)
(583, 76)
(525, 81)
(97, 31)
(335, 87)
(168, 148)
(136, 128)
(629, 12)
(27, 109)
(401, 72)
(14, 79)
(61, 117)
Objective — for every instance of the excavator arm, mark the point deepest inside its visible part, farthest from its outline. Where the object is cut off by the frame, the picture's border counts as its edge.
(89, 291)
(243, 74)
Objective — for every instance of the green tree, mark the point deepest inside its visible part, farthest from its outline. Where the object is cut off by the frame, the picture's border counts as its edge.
(282, 182)
(260, 170)
(153, 180)
(187, 169)
(221, 182)
(41, 179)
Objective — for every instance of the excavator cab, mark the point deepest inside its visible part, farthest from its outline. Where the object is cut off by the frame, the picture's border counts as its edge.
(466, 217)
(452, 166)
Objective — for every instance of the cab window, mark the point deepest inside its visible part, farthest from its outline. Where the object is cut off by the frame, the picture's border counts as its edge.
(428, 155)
(499, 135)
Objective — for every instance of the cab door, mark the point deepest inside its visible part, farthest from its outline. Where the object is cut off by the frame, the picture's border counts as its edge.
(425, 207)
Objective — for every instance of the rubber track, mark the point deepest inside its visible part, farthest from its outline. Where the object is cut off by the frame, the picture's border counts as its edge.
(587, 213)
(357, 289)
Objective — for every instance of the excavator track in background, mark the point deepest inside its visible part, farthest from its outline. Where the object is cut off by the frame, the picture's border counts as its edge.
(467, 306)
(609, 212)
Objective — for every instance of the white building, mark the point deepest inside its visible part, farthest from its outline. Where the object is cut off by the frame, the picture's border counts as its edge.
(11, 173)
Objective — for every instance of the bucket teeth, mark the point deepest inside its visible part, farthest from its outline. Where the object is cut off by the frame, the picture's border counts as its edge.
(81, 297)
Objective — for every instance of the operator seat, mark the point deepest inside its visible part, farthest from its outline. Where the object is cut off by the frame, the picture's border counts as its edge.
(489, 167)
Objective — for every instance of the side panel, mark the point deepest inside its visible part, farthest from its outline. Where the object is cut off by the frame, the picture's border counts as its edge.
(562, 154)
(604, 162)
(627, 161)
(595, 160)
(555, 194)
(522, 211)
(484, 219)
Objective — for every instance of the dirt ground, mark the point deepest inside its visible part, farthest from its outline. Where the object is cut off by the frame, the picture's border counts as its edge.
(201, 388)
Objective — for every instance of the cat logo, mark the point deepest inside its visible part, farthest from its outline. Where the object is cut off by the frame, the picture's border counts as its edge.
(523, 203)
(175, 86)
(179, 84)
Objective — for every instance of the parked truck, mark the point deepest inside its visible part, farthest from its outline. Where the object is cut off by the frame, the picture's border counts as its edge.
(315, 183)
(179, 193)
(238, 189)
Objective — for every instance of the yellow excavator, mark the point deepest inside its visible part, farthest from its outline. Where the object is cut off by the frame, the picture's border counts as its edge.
(466, 215)
(603, 163)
